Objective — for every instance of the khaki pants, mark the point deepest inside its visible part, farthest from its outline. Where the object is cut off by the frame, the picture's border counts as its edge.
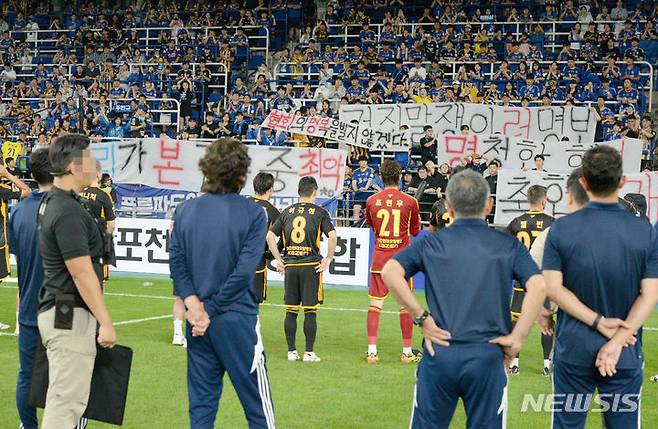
(71, 354)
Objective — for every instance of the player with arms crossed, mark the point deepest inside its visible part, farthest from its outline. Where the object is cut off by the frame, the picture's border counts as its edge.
(263, 188)
(393, 216)
(527, 228)
(301, 226)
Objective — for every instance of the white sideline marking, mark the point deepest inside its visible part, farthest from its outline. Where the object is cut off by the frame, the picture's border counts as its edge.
(135, 295)
(145, 319)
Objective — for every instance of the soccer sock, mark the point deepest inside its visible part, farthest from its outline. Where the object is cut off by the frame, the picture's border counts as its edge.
(178, 327)
(547, 345)
(407, 327)
(372, 324)
(310, 328)
(290, 327)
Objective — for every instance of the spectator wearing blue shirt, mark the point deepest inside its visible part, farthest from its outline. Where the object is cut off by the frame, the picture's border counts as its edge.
(386, 54)
(400, 73)
(530, 90)
(630, 71)
(282, 101)
(362, 179)
(240, 125)
(479, 341)
(355, 91)
(216, 246)
(606, 91)
(367, 37)
(571, 72)
(628, 92)
(269, 137)
(601, 269)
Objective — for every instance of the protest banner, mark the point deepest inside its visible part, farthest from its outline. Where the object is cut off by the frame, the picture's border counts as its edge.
(532, 123)
(512, 191)
(518, 153)
(350, 133)
(174, 164)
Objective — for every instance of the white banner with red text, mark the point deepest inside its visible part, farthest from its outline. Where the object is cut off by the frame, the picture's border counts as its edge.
(354, 134)
(518, 153)
(512, 191)
(174, 164)
(532, 123)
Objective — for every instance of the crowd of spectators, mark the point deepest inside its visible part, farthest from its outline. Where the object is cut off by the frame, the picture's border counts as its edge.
(91, 70)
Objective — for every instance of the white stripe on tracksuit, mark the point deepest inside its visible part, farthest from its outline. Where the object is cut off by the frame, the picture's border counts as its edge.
(258, 365)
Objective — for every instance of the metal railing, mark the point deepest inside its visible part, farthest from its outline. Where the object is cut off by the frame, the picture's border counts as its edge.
(165, 117)
(220, 75)
(309, 72)
(349, 33)
(148, 36)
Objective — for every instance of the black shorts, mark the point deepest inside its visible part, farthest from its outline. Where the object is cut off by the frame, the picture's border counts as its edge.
(517, 302)
(260, 285)
(303, 285)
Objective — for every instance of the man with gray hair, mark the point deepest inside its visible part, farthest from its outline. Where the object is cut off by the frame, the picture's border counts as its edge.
(469, 269)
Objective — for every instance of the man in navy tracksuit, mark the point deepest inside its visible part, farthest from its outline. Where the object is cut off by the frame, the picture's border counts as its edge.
(469, 268)
(216, 245)
(601, 269)
(24, 244)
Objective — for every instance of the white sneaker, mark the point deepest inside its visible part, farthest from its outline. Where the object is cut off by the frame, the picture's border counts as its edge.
(293, 356)
(179, 339)
(311, 357)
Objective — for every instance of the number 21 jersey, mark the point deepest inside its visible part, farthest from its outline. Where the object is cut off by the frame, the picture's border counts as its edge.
(394, 217)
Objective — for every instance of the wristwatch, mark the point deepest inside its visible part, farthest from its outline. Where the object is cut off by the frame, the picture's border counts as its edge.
(418, 321)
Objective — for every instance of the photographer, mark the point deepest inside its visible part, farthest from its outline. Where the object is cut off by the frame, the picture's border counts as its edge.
(71, 303)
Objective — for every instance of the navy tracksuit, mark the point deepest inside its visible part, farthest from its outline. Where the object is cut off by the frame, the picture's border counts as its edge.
(215, 248)
(604, 253)
(469, 269)
(24, 243)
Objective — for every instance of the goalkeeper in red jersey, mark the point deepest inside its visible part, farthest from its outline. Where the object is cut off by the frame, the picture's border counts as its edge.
(393, 216)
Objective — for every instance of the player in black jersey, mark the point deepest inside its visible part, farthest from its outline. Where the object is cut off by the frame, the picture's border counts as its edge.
(439, 217)
(300, 227)
(263, 188)
(527, 228)
(100, 204)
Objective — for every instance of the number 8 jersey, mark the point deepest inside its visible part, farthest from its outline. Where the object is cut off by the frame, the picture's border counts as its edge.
(394, 217)
(300, 227)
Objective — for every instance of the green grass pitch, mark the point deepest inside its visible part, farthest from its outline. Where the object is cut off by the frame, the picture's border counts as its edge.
(340, 392)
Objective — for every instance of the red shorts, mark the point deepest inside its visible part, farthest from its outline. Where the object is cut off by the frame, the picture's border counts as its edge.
(377, 289)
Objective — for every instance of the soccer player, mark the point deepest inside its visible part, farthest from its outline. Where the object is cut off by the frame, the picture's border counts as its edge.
(99, 203)
(576, 199)
(215, 247)
(467, 331)
(301, 226)
(439, 216)
(263, 188)
(7, 194)
(394, 217)
(601, 269)
(527, 228)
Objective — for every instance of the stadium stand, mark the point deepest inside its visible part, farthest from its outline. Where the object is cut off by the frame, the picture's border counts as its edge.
(208, 69)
